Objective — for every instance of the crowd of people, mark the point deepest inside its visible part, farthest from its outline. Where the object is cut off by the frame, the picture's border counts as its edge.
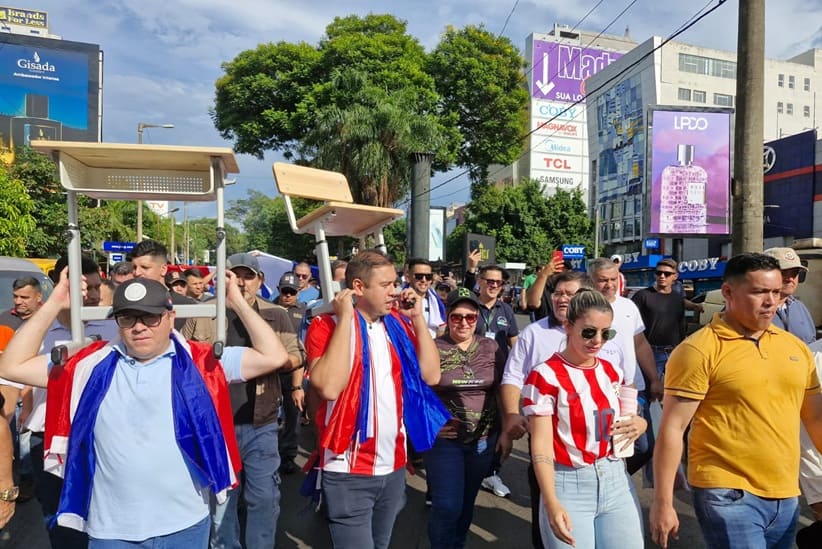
(153, 436)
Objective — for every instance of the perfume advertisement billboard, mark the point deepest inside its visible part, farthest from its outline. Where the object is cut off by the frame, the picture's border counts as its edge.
(50, 90)
(690, 172)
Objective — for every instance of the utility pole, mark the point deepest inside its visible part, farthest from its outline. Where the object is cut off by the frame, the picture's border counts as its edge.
(420, 203)
(749, 131)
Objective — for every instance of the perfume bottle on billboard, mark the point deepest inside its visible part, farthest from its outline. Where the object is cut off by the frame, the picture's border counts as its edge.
(682, 206)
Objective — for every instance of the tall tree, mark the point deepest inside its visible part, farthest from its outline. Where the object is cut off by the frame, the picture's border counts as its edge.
(360, 101)
(480, 79)
(527, 225)
(17, 221)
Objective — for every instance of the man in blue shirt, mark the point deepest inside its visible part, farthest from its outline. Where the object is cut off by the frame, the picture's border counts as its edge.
(152, 443)
(791, 314)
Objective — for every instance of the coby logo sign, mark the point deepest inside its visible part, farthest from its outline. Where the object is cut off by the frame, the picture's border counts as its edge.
(558, 111)
(690, 123)
(695, 265)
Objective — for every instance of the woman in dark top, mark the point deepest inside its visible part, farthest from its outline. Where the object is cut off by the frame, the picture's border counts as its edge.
(471, 368)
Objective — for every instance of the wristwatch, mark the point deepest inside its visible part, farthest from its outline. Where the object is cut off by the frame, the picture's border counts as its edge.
(296, 388)
(9, 494)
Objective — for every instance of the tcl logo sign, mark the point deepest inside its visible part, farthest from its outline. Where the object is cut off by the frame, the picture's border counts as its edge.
(690, 123)
(557, 163)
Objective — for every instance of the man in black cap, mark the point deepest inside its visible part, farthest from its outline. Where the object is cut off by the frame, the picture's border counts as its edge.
(141, 427)
(292, 382)
(175, 282)
(254, 404)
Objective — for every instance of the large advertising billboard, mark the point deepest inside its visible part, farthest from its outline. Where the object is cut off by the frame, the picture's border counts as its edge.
(49, 89)
(690, 171)
(559, 71)
(789, 186)
(557, 78)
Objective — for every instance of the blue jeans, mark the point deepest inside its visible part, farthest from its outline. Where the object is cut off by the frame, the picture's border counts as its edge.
(260, 491)
(194, 537)
(661, 359)
(455, 472)
(362, 509)
(731, 518)
(601, 502)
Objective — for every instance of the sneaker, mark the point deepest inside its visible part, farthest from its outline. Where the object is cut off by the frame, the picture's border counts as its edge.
(494, 484)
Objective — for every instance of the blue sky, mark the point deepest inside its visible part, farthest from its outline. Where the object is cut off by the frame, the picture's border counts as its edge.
(163, 56)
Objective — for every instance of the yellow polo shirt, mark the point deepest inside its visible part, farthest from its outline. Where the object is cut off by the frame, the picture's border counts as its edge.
(745, 432)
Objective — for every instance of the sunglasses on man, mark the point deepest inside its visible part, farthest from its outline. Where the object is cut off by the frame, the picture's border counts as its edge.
(423, 276)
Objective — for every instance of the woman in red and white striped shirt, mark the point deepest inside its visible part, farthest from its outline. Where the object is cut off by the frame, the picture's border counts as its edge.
(572, 400)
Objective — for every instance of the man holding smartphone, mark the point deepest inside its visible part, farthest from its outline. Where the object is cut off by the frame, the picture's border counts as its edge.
(420, 277)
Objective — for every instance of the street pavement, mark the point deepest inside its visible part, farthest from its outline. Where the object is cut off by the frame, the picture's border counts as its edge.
(503, 523)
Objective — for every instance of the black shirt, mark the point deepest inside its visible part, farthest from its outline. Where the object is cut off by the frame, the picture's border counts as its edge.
(663, 316)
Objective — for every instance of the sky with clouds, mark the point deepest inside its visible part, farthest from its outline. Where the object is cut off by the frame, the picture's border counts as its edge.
(162, 57)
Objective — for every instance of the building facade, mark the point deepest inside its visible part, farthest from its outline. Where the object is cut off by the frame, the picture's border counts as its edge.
(619, 106)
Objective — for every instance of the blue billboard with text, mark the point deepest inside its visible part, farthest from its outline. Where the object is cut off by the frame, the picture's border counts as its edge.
(50, 90)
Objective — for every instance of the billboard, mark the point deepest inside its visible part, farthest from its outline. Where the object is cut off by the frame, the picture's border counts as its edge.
(560, 70)
(35, 19)
(789, 186)
(436, 234)
(49, 89)
(690, 171)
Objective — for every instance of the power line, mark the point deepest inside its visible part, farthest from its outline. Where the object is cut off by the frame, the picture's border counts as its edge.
(531, 68)
(505, 25)
(693, 20)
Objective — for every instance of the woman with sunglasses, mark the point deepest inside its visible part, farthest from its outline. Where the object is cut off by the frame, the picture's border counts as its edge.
(462, 455)
(571, 401)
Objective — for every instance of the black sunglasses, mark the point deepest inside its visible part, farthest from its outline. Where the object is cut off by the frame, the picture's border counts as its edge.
(426, 276)
(147, 320)
(590, 333)
(665, 274)
(288, 291)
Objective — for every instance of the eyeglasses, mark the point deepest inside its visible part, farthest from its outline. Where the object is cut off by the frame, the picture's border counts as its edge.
(147, 320)
(288, 291)
(664, 274)
(590, 333)
(493, 282)
(558, 295)
(425, 276)
(791, 273)
(456, 318)
(302, 276)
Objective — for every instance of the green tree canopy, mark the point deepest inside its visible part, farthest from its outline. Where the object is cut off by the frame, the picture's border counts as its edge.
(483, 90)
(368, 95)
(527, 224)
(17, 221)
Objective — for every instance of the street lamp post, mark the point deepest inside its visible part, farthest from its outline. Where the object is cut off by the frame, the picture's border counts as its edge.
(173, 227)
(140, 127)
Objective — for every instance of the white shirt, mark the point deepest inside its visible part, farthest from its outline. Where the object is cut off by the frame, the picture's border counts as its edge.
(628, 323)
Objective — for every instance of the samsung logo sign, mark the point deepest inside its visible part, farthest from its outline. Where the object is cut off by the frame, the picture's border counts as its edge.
(35, 64)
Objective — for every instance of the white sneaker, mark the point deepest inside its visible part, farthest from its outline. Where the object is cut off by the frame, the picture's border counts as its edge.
(494, 484)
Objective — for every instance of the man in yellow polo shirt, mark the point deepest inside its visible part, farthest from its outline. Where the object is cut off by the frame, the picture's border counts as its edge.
(745, 384)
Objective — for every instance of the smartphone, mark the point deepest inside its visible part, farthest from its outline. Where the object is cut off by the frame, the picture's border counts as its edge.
(557, 256)
(473, 245)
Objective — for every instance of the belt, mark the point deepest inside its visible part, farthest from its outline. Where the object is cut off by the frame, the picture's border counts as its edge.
(663, 348)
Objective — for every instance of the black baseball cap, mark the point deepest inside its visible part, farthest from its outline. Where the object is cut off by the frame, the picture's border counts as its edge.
(142, 295)
(174, 277)
(459, 295)
(289, 280)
